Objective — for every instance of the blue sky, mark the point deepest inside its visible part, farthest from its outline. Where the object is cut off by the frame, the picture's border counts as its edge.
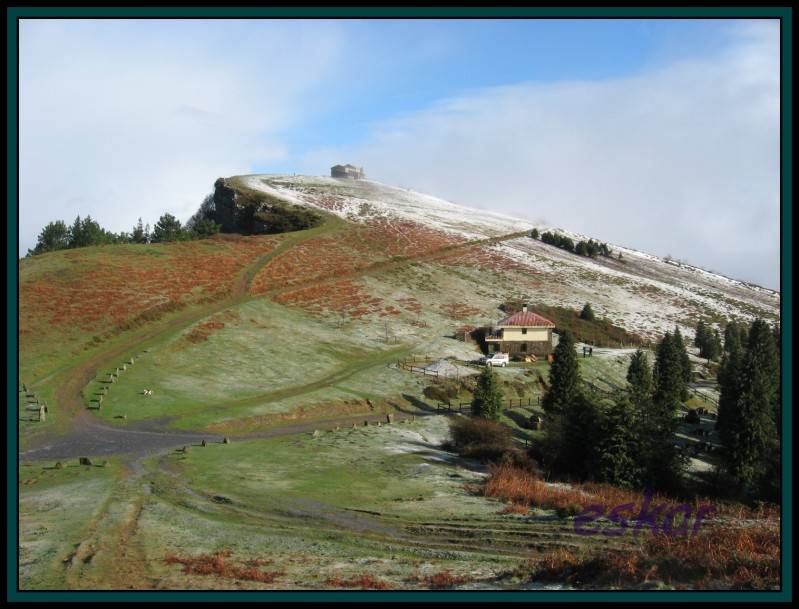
(627, 130)
(410, 65)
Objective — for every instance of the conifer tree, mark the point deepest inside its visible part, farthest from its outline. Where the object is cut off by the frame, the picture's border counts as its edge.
(749, 429)
(639, 377)
(564, 377)
(699, 337)
(619, 446)
(685, 362)
(487, 400)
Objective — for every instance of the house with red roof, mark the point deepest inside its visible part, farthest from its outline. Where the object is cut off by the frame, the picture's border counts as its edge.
(523, 333)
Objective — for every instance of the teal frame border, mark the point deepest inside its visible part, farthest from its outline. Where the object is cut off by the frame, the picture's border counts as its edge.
(785, 14)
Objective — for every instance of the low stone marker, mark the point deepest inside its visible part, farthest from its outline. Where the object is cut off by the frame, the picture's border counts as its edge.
(187, 449)
(42, 415)
(203, 444)
(337, 428)
(85, 461)
(316, 433)
(366, 423)
(379, 423)
(355, 426)
(389, 418)
(58, 465)
(225, 440)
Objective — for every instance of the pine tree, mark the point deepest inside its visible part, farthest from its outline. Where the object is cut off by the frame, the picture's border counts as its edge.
(685, 362)
(735, 336)
(167, 229)
(587, 313)
(534, 233)
(639, 377)
(619, 446)
(663, 464)
(564, 376)
(729, 380)
(487, 400)
(750, 432)
(578, 438)
(668, 375)
(138, 235)
(54, 236)
(699, 337)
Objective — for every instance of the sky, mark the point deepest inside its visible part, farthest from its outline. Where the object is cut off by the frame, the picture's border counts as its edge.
(661, 135)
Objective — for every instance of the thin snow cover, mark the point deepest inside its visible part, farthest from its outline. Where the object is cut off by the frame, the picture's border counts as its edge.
(410, 441)
(447, 369)
(389, 202)
(642, 293)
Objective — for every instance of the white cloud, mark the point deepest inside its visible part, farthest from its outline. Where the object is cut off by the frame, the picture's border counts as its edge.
(682, 159)
(123, 119)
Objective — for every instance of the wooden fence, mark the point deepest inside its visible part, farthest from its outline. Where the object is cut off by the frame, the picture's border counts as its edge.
(703, 396)
(466, 406)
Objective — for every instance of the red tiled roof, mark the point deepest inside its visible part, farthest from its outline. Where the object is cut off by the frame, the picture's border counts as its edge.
(526, 318)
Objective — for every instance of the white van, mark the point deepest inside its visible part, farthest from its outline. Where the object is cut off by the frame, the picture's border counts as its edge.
(497, 359)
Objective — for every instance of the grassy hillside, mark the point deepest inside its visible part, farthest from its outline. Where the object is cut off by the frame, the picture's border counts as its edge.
(268, 339)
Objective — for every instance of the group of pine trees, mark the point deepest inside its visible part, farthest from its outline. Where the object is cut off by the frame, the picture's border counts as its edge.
(627, 440)
(85, 232)
(749, 421)
(589, 248)
(708, 341)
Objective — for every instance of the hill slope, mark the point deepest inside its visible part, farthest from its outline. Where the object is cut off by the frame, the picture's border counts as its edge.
(288, 344)
(642, 293)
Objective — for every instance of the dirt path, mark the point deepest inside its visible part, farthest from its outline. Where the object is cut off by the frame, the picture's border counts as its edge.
(85, 435)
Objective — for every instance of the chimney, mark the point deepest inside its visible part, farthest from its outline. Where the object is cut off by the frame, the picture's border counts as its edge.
(524, 308)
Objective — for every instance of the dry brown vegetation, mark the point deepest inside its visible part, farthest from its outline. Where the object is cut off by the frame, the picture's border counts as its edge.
(218, 565)
(723, 557)
(522, 487)
(363, 582)
(444, 579)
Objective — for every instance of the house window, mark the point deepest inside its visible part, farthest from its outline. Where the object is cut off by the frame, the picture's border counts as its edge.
(524, 330)
(524, 348)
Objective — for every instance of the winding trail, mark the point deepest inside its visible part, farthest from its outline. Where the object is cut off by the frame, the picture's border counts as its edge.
(84, 434)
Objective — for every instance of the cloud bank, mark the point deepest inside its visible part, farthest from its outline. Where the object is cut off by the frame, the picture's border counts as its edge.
(682, 159)
(124, 119)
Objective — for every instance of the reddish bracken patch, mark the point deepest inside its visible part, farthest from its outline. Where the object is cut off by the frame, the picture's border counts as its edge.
(410, 304)
(104, 291)
(363, 582)
(317, 258)
(217, 564)
(459, 311)
(406, 238)
(344, 297)
(484, 258)
(444, 579)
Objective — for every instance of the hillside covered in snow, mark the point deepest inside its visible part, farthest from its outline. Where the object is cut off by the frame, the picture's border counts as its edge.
(642, 293)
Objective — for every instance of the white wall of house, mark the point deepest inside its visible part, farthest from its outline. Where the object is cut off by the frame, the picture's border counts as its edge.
(533, 334)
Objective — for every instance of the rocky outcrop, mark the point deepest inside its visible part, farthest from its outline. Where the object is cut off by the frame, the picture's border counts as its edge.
(249, 212)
